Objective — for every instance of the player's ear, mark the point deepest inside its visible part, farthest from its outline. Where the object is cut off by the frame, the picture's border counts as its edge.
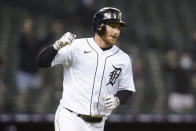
(99, 28)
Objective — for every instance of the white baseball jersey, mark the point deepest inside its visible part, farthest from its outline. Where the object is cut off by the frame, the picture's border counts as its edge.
(90, 73)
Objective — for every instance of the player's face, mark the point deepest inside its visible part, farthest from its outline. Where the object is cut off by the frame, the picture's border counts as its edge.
(112, 33)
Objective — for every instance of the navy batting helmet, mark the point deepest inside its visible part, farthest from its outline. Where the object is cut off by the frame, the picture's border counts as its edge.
(104, 16)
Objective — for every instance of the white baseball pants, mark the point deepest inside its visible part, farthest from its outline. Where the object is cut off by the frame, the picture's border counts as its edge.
(68, 121)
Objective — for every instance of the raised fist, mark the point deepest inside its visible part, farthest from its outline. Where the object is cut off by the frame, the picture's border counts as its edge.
(67, 38)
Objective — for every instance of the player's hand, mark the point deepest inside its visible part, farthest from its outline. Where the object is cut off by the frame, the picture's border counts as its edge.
(110, 102)
(67, 38)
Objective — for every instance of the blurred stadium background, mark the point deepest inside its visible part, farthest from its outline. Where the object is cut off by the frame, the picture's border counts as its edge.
(156, 29)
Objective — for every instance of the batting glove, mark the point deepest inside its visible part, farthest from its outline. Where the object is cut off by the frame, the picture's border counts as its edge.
(67, 38)
(110, 102)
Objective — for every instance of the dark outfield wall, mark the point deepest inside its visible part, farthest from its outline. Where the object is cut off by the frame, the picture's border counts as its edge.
(108, 127)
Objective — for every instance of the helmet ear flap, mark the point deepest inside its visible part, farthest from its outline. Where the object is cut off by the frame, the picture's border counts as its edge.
(101, 29)
(98, 26)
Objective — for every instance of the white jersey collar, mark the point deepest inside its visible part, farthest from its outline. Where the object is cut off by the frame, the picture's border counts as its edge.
(95, 46)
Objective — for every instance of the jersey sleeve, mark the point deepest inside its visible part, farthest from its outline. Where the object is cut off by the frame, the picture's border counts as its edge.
(126, 80)
(64, 56)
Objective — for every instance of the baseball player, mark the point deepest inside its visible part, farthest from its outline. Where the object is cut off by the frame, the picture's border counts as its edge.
(97, 74)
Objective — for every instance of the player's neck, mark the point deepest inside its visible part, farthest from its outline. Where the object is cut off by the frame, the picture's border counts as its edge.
(100, 42)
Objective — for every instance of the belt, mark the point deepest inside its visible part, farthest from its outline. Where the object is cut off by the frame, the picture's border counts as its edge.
(87, 118)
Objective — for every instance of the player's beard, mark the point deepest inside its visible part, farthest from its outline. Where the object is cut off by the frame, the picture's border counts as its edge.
(110, 40)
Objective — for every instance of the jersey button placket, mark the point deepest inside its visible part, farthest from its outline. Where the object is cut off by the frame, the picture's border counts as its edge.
(98, 82)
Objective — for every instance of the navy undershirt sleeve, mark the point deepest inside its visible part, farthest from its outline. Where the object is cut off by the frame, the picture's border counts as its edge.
(123, 96)
(46, 57)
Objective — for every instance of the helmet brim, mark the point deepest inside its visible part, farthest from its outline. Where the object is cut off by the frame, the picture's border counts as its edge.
(122, 24)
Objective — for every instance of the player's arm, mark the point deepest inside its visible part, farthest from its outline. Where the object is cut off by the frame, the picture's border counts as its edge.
(123, 96)
(46, 57)
(113, 101)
